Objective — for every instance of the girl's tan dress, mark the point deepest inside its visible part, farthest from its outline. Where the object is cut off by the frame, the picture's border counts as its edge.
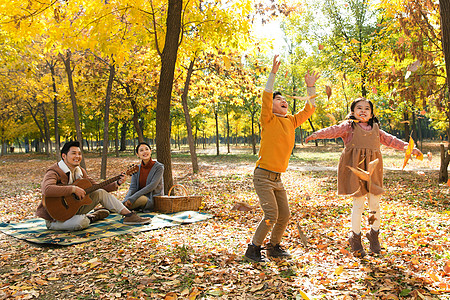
(363, 148)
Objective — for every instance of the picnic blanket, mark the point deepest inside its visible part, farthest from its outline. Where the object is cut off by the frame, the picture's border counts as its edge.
(35, 231)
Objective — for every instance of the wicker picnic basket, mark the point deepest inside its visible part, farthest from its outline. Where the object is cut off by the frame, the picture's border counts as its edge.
(171, 204)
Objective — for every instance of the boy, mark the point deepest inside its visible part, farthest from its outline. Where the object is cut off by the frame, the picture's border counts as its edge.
(277, 142)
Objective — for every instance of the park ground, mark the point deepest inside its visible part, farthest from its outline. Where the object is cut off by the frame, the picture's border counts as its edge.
(204, 260)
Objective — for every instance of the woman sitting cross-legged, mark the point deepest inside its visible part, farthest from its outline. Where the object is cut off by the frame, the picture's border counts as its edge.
(146, 183)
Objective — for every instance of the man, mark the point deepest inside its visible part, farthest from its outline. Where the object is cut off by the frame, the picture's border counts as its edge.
(58, 182)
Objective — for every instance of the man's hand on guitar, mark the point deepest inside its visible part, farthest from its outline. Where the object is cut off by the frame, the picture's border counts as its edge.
(122, 179)
(79, 192)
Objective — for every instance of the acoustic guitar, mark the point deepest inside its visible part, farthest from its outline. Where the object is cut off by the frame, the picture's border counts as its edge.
(65, 207)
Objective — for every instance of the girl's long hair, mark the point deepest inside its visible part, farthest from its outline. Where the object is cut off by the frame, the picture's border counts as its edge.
(352, 118)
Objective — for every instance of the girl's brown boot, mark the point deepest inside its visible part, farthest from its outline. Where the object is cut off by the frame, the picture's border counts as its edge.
(355, 244)
(372, 236)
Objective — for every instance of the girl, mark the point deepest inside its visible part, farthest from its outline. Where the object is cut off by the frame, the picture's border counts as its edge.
(362, 138)
(146, 183)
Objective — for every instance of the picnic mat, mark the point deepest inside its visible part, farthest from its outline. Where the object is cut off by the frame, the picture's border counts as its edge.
(35, 231)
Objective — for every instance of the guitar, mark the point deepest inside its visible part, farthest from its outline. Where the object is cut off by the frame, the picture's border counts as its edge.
(65, 207)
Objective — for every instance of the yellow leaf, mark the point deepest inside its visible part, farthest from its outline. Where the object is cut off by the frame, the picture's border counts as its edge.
(226, 61)
(67, 287)
(434, 277)
(408, 151)
(304, 295)
(41, 282)
(354, 41)
(339, 270)
(53, 278)
(194, 293)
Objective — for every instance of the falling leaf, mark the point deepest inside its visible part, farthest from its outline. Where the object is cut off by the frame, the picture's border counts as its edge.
(242, 206)
(408, 73)
(408, 152)
(328, 91)
(423, 112)
(414, 66)
(448, 182)
(303, 237)
(374, 90)
(354, 41)
(393, 70)
(429, 156)
(332, 118)
(226, 61)
(286, 74)
(401, 40)
(268, 222)
(321, 47)
(365, 175)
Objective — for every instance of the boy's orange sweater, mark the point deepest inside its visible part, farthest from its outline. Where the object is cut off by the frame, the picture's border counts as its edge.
(278, 135)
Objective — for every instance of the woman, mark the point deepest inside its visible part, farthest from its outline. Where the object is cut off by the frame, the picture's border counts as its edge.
(146, 183)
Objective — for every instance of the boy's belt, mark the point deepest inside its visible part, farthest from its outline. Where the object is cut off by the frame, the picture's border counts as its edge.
(271, 175)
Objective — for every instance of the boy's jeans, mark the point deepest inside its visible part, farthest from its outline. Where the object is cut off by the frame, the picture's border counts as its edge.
(274, 203)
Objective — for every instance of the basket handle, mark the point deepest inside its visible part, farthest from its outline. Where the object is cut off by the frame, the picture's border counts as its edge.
(182, 187)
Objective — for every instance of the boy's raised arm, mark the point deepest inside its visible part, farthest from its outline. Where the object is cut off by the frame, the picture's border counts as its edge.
(271, 79)
(310, 80)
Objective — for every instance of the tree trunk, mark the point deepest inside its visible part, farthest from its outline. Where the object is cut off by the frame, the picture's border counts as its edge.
(69, 71)
(116, 140)
(216, 116)
(445, 160)
(187, 117)
(253, 134)
(228, 131)
(444, 6)
(406, 120)
(136, 124)
(47, 143)
(112, 73)
(123, 137)
(55, 109)
(168, 61)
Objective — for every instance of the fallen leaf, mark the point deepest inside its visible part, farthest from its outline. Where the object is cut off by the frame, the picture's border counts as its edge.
(339, 270)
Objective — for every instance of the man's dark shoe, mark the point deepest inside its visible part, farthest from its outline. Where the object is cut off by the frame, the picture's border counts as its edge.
(372, 236)
(276, 251)
(99, 214)
(253, 254)
(355, 244)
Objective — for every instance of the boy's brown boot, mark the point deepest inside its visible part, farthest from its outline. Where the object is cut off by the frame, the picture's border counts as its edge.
(355, 244)
(372, 236)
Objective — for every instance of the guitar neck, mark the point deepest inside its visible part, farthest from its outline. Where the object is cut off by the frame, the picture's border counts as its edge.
(101, 184)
